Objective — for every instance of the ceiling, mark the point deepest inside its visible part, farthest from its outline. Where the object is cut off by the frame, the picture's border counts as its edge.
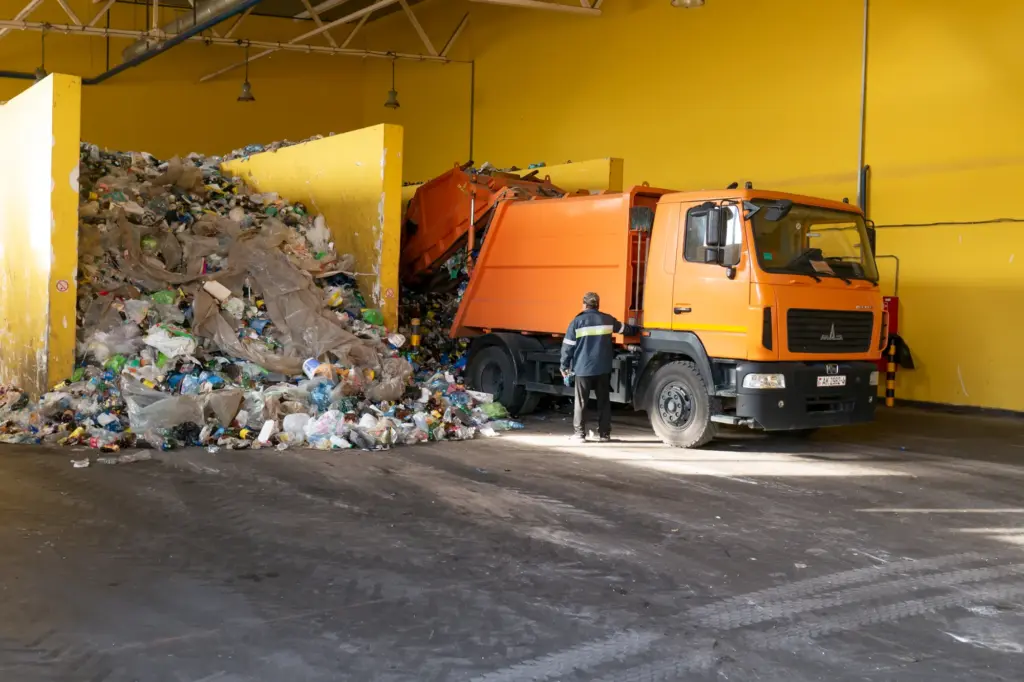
(290, 8)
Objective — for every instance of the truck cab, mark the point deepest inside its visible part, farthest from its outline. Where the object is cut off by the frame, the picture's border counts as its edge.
(780, 292)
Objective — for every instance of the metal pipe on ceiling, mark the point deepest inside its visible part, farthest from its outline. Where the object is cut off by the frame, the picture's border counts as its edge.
(18, 75)
(207, 13)
(305, 48)
(158, 49)
(226, 9)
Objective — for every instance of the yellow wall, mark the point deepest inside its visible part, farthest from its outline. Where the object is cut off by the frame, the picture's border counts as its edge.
(39, 234)
(769, 91)
(945, 144)
(434, 111)
(594, 175)
(355, 181)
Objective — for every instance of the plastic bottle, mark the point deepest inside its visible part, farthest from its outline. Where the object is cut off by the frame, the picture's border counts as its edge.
(506, 425)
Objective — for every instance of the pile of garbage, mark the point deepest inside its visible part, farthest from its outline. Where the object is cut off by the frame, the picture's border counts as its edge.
(213, 315)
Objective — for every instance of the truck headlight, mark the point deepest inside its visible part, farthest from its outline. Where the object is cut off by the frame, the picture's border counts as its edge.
(873, 378)
(764, 381)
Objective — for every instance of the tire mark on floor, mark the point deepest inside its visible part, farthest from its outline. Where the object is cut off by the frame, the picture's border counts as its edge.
(695, 654)
(751, 615)
(578, 658)
(880, 615)
(828, 583)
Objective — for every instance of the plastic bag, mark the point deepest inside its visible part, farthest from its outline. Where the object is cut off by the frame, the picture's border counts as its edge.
(170, 345)
(295, 427)
(223, 405)
(254, 405)
(169, 314)
(323, 427)
(362, 440)
(165, 413)
(165, 297)
(494, 410)
(395, 375)
(137, 310)
(122, 340)
(422, 421)
(208, 322)
(339, 443)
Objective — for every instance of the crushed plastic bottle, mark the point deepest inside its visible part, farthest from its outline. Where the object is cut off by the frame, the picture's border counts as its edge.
(507, 425)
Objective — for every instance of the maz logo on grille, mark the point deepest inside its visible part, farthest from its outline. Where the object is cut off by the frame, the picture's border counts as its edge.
(832, 336)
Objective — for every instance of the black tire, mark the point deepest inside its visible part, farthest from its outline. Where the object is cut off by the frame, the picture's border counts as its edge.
(491, 371)
(679, 406)
(530, 403)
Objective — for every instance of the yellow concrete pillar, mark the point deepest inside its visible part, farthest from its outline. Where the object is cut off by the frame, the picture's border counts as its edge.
(39, 153)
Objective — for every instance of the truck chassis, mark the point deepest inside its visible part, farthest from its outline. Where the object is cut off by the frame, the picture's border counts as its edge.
(686, 394)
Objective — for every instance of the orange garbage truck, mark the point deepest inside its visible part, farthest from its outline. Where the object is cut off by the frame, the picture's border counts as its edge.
(756, 308)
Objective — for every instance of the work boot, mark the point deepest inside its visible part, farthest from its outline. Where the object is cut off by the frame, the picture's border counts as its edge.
(605, 439)
(577, 438)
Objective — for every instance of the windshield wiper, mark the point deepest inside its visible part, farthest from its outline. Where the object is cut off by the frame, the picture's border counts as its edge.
(806, 256)
(810, 272)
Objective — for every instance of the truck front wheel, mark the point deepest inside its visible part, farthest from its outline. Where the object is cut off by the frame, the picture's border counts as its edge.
(492, 371)
(680, 407)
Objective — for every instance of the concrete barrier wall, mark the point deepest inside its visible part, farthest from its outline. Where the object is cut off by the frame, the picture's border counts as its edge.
(355, 181)
(39, 150)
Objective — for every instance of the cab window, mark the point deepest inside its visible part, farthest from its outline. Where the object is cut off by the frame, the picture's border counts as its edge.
(694, 246)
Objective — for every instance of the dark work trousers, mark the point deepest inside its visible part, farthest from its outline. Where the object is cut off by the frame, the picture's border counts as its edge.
(601, 386)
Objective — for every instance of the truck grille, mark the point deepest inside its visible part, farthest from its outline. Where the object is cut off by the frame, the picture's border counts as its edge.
(828, 331)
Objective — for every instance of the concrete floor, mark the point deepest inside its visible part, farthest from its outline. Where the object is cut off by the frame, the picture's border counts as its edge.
(891, 552)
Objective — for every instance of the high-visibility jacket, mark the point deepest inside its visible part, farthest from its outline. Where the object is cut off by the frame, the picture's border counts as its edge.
(587, 348)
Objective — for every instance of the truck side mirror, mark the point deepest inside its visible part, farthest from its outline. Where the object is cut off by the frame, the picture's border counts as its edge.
(872, 235)
(779, 210)
(714, 235)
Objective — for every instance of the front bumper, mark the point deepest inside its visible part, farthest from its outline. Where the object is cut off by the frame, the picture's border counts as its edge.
(802, 404)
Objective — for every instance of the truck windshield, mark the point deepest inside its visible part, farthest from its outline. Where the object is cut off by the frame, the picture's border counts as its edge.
(813, 241)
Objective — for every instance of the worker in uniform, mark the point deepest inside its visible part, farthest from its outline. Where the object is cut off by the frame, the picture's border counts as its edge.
(587, 352)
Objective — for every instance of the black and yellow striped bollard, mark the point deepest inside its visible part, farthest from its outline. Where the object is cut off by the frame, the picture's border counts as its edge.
(415, 335)
(890, 376)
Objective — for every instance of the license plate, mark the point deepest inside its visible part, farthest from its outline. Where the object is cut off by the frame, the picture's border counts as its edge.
(839, 380)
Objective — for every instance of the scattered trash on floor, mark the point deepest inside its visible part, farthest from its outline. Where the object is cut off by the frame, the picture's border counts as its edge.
(211, 315)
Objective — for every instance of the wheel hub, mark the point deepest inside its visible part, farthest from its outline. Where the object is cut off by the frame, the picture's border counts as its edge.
(675, 404)
(491, 379)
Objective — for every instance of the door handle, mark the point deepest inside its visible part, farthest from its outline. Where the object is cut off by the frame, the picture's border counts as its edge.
(679, 310)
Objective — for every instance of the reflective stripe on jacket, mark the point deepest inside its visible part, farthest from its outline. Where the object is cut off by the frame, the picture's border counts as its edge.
(587, 348)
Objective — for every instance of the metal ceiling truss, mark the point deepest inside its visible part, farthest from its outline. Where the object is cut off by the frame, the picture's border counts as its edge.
(156, 36)
(586, 7)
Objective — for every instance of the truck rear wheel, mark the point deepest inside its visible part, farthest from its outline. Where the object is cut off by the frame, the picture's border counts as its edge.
(492, 371)
(680, 407)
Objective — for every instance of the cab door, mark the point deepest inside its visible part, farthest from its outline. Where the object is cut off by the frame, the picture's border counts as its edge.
(705, 300)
